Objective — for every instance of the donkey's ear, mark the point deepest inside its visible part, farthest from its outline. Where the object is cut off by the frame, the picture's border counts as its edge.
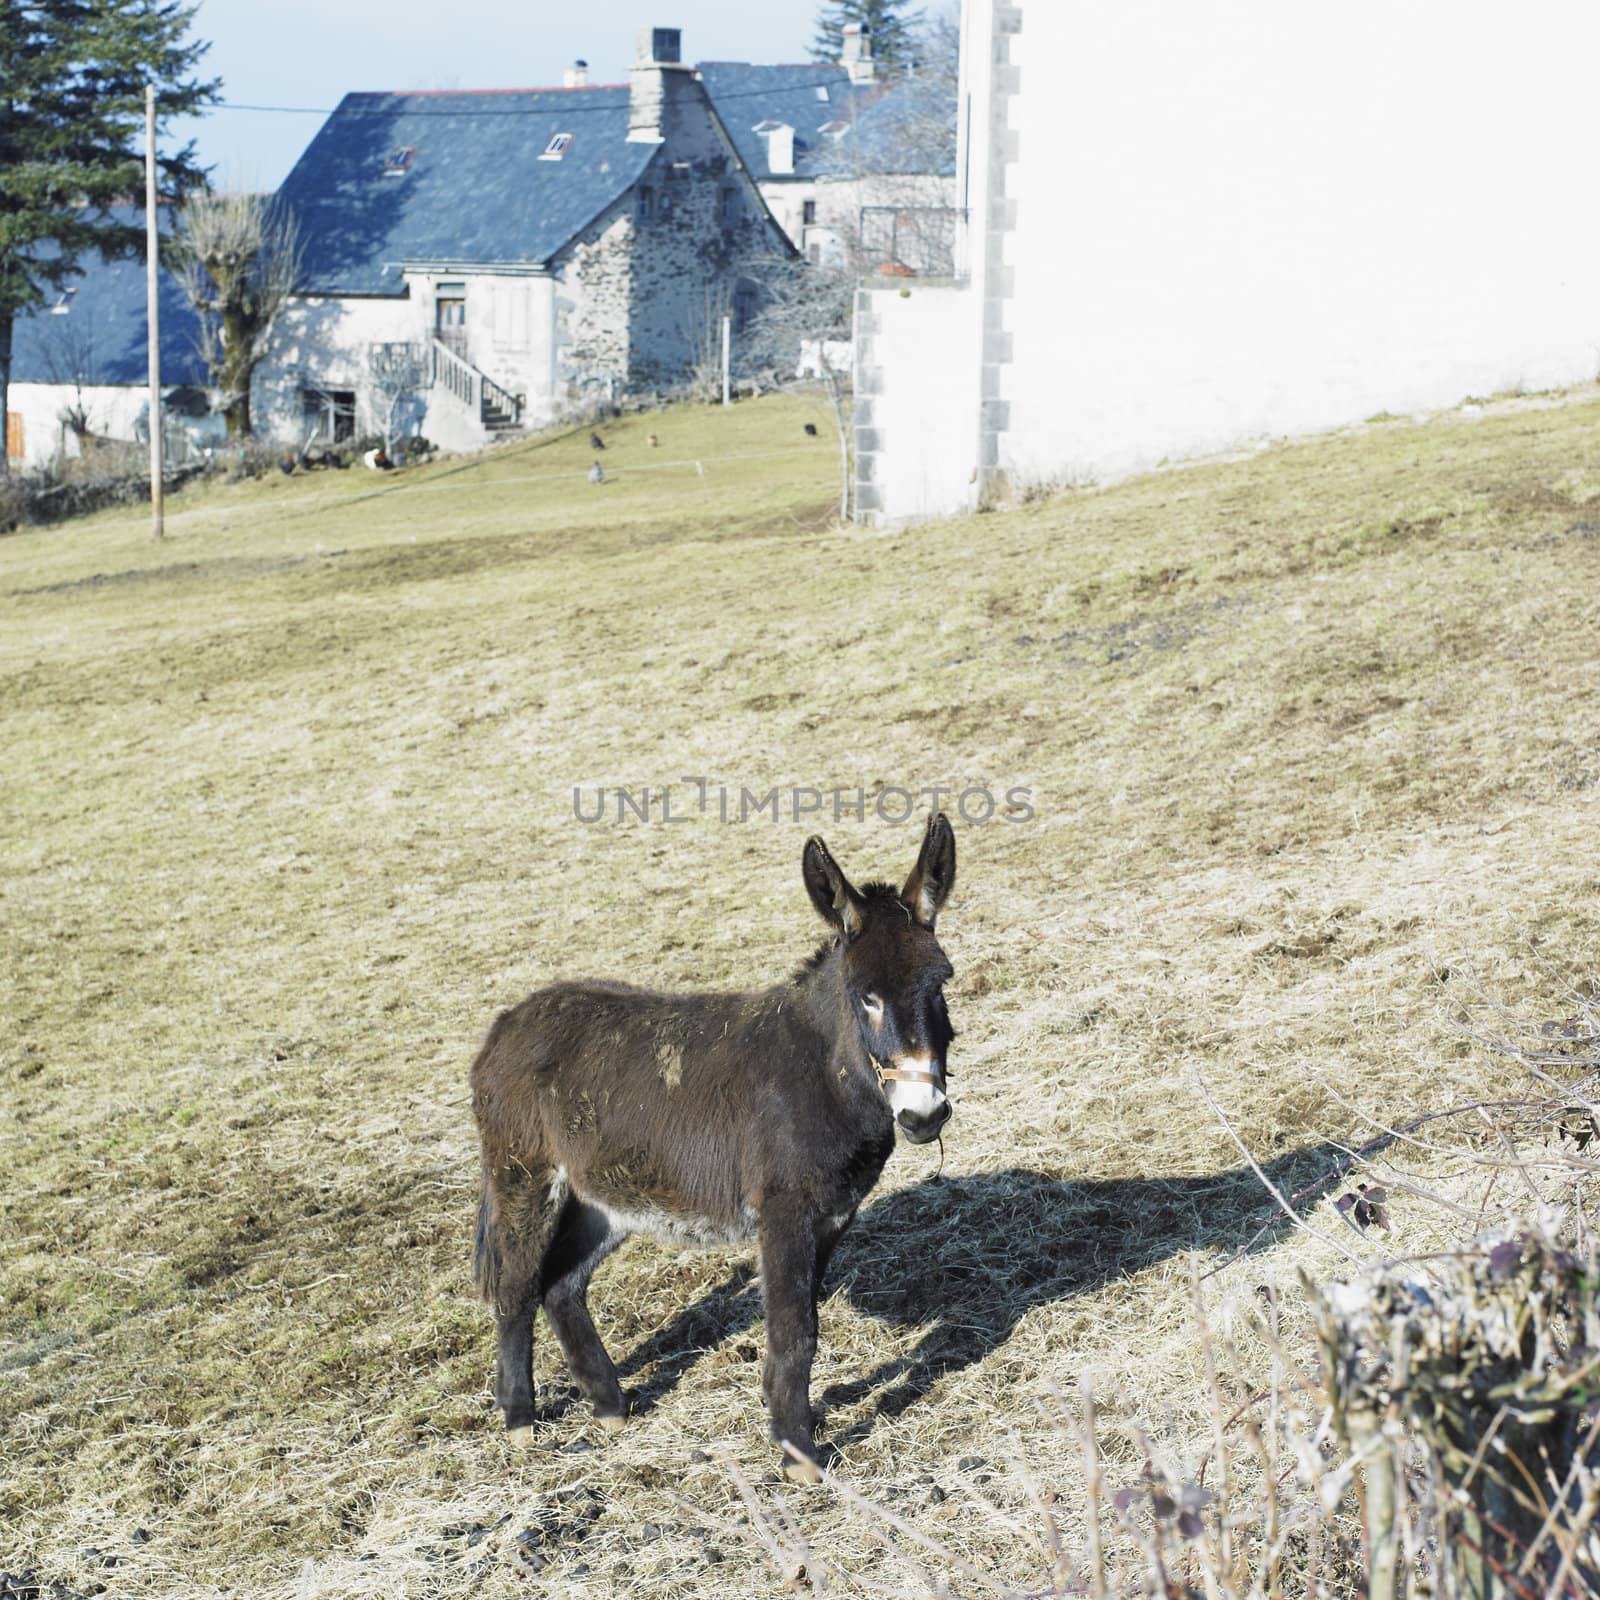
(831, 892)
(934, 875)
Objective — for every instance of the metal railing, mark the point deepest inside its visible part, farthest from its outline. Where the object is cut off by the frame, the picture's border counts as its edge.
(472, 388)
(458, 376)
(502, 400)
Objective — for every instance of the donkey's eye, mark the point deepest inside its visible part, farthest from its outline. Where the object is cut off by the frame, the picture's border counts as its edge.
(873, 1007)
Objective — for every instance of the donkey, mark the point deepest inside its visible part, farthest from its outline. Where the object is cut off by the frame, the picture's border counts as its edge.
(606, 1110)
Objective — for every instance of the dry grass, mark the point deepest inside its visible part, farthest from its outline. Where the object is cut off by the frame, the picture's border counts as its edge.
(288, 814)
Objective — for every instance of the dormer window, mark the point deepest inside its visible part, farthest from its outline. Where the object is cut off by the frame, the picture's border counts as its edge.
(769, 126)
(556, 148)
(64, 304)
(834, 130)
(400, 161)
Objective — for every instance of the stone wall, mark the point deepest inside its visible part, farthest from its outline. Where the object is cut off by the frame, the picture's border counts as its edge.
(644, 290)
(592, 309)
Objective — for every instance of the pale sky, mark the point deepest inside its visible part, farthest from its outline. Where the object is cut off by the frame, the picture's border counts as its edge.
(310, 53)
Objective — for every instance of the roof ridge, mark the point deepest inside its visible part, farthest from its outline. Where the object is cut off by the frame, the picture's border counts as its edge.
(795, 66)
(544, 88)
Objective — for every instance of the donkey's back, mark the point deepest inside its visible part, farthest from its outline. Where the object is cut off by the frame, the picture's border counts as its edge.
(634, 1100)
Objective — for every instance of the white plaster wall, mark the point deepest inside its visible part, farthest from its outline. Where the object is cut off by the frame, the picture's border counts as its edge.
(541, 363)
(324, 341)
(839, 221)
(112, 411)
(916, 402)
(786, 198)
(1236, 219)
(509, 324)
(1244, 218)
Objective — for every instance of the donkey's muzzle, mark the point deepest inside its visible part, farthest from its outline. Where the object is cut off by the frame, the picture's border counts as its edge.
(920, 1129)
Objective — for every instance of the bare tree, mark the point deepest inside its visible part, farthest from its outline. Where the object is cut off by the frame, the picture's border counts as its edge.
(808, 308)
(888, 182)
(240, 263)
(700, 328)
(70, 352)
(396, 372)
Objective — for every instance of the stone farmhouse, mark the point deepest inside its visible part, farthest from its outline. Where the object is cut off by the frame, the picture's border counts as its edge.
(522, 250)
(519, 253)
(474, 262)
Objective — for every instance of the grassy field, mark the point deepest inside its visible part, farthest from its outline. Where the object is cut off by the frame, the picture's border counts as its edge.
(288, 814)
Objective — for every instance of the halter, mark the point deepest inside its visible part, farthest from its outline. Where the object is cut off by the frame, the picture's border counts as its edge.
(901, 1074)
(907, 1075)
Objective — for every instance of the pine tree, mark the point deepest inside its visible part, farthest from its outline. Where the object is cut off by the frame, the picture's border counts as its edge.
(892, 31)
(72, 83)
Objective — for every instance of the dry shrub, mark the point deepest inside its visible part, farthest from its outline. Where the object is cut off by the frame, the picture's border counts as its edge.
(1427, 1426)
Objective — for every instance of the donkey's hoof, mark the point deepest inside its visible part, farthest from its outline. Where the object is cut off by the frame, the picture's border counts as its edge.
(614, 1423)
(525, 1437)
(802, 1471)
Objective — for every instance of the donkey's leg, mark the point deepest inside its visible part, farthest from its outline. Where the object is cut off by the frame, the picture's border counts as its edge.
(829, 1232)
(584, 1239)
(789, 1285)
(516, 1222)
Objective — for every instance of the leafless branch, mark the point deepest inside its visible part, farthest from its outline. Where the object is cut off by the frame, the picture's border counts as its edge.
(240, 260)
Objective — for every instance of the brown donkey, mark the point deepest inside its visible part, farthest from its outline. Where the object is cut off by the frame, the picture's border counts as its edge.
(607, 1110)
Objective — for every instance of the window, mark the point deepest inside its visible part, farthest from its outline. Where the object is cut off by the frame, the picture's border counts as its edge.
(744, 306)
(808, 213)
(647, 202)
(64, 304)
(400, 161)
(557, 147)
(450, 317)
(834, 129)
(330, 414)
(768, 126)
(822, 91)
(728, 207)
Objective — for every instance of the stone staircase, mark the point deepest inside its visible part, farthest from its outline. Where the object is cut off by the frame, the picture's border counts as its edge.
(497, 409)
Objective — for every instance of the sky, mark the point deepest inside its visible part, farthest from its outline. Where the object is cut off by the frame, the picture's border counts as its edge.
(308, 53)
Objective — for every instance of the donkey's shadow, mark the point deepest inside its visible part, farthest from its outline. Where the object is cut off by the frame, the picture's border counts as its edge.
(967, 1258)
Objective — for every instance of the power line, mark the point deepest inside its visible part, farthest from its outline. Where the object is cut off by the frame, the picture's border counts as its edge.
(306, 111)
(565, 110)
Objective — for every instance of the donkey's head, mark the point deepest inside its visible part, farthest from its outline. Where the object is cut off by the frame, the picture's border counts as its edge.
(894, 973)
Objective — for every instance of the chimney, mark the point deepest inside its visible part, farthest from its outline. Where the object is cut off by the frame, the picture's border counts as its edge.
(856, 56)
(659, 66)
(780, 149)
(576, 76)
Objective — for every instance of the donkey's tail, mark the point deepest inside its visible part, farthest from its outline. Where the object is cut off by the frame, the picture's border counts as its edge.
(486, 1263)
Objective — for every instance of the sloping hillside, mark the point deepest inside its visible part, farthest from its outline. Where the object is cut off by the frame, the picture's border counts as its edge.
(1309, 742)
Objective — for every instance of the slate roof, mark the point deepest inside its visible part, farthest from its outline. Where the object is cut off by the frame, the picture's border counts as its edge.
(746, 95)
(880, 116)
(898, 133)
(474, 191)
(104, 332)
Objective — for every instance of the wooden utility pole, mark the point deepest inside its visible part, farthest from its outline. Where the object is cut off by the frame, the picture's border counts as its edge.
(727, 341)
(152, 250)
